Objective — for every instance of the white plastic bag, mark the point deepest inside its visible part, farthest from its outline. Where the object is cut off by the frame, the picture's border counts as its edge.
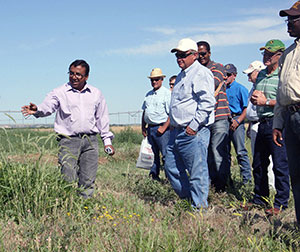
(146, 155)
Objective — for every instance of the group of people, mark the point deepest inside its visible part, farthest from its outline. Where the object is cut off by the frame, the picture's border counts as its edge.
(194, 123)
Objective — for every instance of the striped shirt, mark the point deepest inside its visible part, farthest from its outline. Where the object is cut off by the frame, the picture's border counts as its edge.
(221, 107)
(268, 84)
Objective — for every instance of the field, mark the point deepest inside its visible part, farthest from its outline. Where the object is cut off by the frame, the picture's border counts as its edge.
(129, 212)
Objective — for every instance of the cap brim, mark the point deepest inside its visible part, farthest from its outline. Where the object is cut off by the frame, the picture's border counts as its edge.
(247, 71)
(178, 50)
(289, 12)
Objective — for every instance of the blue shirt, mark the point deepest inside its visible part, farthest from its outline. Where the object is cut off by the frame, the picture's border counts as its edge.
(157, 106)
(237, 96)
(192, 100)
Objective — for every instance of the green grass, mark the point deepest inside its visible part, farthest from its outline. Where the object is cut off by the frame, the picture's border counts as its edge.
(129, 212)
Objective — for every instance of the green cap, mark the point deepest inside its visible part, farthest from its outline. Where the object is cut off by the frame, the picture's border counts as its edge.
(273, 45)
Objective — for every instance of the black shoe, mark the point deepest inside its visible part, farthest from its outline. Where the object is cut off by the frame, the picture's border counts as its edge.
(154, 177)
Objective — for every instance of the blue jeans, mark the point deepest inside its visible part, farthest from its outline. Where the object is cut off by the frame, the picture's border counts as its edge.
(218, 164)
(292, 140)
(78, 158)
(159, 144)
(238, 139)
(186, 165)
(264, 147)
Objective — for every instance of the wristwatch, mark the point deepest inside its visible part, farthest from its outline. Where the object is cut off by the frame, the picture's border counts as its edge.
(268, 102)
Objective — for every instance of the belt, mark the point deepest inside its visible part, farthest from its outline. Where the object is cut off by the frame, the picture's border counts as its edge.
(154, 125)
(265, 119)
(293, 107)
(234, 114)
(254, 122)
(60, 136)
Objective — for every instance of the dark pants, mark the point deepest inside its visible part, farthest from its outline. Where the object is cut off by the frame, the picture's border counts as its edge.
(264, 147)
(159, 144)
(292, 129)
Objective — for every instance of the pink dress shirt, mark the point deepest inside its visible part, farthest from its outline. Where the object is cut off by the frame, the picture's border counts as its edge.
(77, 112)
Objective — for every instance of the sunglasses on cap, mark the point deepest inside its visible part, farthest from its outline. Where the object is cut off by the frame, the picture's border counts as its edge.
(183, 55)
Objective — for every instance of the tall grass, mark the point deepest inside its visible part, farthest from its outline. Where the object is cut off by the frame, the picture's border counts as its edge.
(128, 212)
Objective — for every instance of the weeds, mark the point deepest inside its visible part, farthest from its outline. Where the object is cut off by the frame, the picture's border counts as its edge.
(128, 212)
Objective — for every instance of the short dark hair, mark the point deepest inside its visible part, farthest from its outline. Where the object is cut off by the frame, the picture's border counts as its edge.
(204, 43)
(82, 63)
(172, 77)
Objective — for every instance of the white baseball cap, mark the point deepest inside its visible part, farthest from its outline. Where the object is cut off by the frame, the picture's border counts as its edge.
(255, 65)
(184, 45)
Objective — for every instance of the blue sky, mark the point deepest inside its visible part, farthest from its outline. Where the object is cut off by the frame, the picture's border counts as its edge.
(122, 41)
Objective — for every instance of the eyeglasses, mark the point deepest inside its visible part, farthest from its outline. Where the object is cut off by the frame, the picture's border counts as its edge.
(183, 55)
(202, 54)
(229, 74)
(291, 20)
(156, 79)
(78, 75)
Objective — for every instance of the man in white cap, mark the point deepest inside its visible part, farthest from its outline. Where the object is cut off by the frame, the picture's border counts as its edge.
(287, 108)
(252, 71)
(155, 119)
(191, 111)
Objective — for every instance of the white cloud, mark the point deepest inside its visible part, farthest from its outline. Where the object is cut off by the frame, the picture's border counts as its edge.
(37, 45)
(161, 30)
(248, 31)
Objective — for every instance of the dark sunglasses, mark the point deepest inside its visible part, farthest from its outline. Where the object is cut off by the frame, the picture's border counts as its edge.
(183, 55)
(202, 54)
(156, 79)
(229, 74)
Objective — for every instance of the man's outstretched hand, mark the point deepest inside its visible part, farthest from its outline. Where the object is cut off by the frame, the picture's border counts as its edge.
(29, 109)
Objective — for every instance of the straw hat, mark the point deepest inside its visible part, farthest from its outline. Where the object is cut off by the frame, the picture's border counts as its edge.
(156, 72)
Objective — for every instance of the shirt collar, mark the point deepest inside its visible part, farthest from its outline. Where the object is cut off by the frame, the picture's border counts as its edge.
(231, 84)
(271, 74)
(85, 89)
(190, 68)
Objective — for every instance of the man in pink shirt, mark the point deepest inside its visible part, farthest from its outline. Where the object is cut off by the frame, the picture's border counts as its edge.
(81, 114)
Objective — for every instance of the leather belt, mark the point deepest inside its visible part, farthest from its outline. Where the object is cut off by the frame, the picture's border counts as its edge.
(293, 107)
(234, 114)
(154, 125)
(80, 135)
